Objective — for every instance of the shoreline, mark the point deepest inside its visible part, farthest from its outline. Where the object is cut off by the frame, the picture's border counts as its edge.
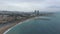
(19, 24)
(13, 25)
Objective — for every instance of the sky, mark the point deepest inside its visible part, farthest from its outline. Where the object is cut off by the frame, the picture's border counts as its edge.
(30, 5)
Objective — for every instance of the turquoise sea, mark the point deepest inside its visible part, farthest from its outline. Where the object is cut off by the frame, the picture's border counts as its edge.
(48, 25)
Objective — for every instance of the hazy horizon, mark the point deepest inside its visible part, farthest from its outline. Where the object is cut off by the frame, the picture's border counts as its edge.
(30, 5)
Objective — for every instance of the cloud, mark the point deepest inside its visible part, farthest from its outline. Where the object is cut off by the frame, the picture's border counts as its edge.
(27, 5)
(54, 7)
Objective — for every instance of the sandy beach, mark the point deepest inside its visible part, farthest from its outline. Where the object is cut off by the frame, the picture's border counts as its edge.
(6, 27)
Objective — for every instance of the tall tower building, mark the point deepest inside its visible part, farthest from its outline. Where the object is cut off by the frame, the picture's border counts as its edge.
(36, 12)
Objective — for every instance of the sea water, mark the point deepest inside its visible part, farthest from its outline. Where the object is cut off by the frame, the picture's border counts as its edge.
(49, 25)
